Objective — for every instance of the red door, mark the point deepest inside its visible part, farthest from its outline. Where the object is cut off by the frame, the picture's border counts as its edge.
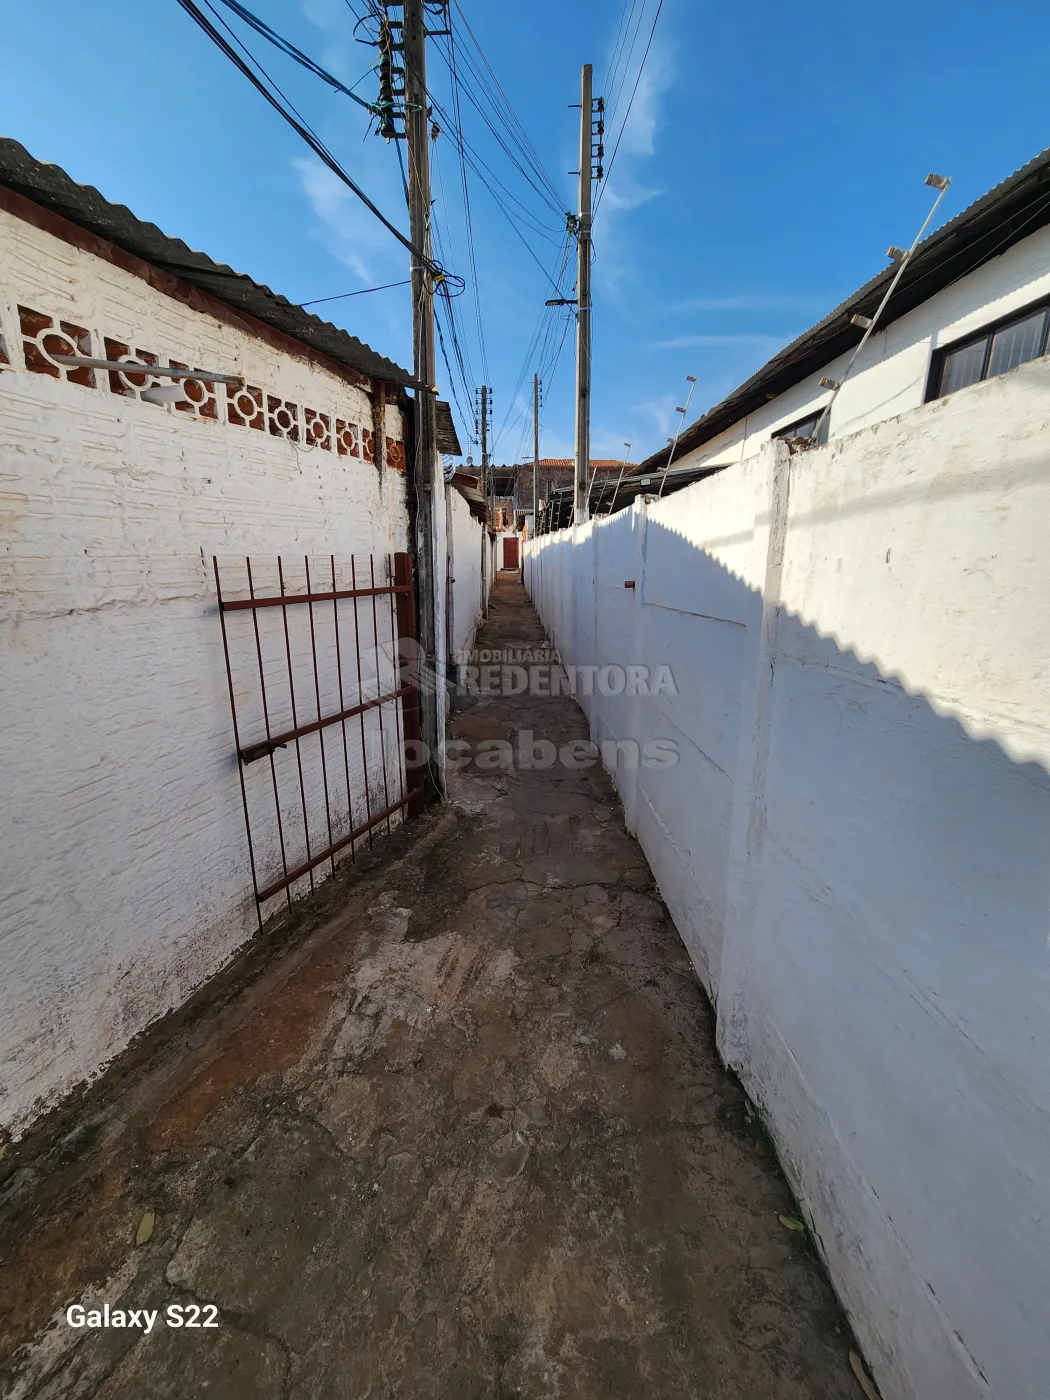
(510, 552)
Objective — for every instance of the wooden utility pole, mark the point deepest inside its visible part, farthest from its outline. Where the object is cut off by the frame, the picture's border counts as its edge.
(427, 475)
(535, 453)
(583, 295)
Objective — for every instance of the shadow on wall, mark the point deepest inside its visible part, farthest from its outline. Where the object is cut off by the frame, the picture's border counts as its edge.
(872, 885)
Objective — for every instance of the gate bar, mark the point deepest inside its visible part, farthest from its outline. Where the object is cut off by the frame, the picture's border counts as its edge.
(342, 705)
(234, 603)
(237, 741)
(320, 735)
(295, 721)
(375, 643)
(397, 674)
(406, 631)
(266, 719)
(319, 859)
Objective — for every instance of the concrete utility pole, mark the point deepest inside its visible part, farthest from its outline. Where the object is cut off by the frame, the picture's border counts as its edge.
(535, 453)
(583, 294)
(486, 552)
(428, 477)
(486, 475)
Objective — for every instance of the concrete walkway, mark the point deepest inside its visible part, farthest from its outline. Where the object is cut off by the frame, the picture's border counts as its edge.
(460, 1132)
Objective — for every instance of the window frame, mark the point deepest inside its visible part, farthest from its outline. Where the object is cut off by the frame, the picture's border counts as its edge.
(814, 416)
(986, 333)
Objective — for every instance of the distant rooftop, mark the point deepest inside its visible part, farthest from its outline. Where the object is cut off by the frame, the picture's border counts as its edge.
(561, 463)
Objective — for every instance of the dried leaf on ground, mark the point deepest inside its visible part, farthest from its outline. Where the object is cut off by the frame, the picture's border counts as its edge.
(866, 1383)
(145, 1229)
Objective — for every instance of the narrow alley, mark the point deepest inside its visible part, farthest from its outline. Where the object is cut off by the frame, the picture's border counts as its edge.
(459, 1131)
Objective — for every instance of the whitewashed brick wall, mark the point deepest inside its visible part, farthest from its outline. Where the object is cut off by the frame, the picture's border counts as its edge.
(124, 877)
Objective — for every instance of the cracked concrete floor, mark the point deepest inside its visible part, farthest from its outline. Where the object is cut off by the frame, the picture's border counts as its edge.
(462, 1133)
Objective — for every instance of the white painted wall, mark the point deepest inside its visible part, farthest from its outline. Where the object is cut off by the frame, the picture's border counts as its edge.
(467, 598)
(124, 876)
(855, 844)
(890, 375)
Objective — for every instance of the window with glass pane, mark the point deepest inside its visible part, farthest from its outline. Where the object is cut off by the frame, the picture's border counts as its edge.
(1015, 344)
(962, 367)
(806, 428)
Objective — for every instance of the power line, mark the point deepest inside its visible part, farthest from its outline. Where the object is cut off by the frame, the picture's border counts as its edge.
(621, 35)
(627, 114)
(443, 240)
(289, 48)
(622, 66)
(512, 209)
(548, 319)
(310, 137)
(553, 204)
(514, 126)
(468, 221)
(363, 292)
(481, 168)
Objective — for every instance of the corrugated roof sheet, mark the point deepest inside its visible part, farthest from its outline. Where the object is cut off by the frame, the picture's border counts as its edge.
(1013, 210)
(52, 189)
(447, 437)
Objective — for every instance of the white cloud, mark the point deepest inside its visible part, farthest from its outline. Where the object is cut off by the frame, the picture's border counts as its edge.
(662, 413)
(613, 443)
(349, 231)
(339, 53)
(625, 189)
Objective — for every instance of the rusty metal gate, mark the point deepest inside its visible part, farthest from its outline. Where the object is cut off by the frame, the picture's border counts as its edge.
(321, 659)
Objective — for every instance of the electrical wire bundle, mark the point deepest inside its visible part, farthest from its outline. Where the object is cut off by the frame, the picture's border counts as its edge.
(533, 210)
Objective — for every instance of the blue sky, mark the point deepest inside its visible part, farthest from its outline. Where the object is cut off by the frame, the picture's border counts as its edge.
(773, 153)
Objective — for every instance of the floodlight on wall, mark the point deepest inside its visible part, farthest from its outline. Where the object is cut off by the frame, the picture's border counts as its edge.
(938, 182)
(896, 254)
(835, 384)
(862, 321)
